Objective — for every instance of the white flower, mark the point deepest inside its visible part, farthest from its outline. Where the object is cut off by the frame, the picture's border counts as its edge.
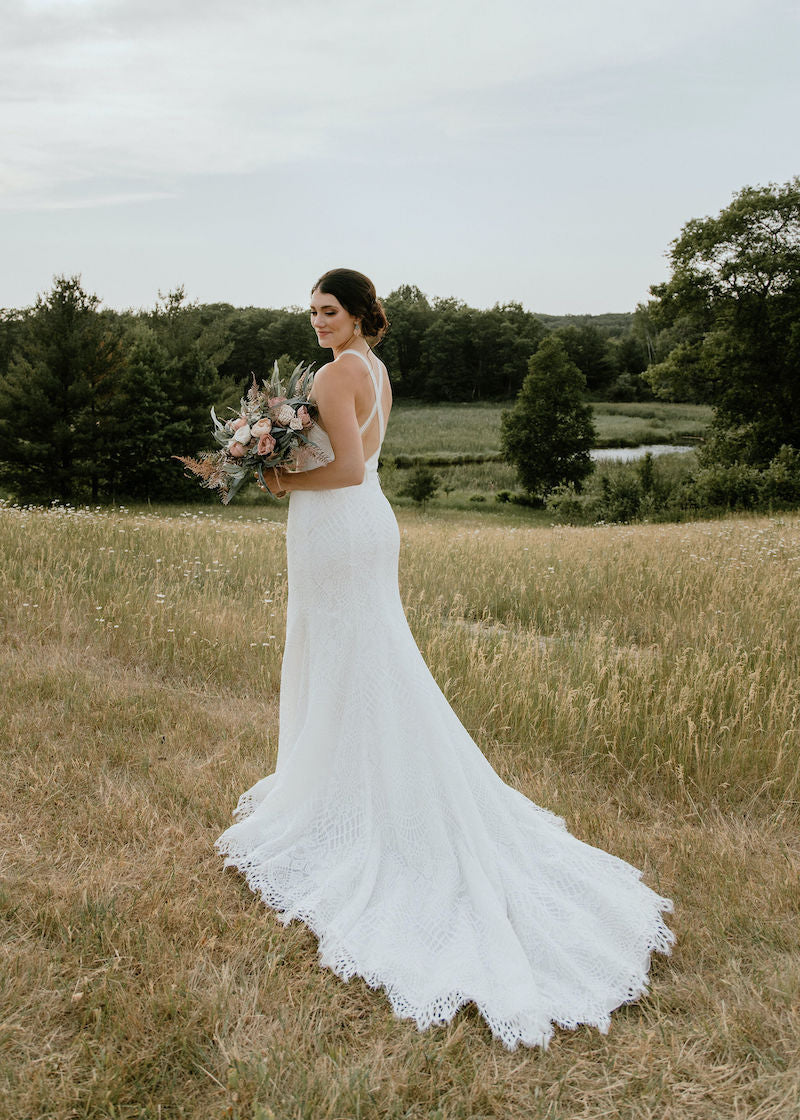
(242, 435)
(285, 414)
(295, 424)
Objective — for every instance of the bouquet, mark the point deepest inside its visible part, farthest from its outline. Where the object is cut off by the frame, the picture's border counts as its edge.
(270, 430)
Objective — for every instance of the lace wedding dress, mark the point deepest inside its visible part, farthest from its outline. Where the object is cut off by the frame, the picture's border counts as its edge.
(388, 833)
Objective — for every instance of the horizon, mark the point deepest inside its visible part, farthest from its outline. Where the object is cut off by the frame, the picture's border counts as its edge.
(297, 308)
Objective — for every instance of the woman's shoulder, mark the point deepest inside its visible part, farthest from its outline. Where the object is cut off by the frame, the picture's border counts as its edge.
(348, 367)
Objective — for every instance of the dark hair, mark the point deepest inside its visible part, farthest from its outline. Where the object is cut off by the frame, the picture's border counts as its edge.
(356, 293)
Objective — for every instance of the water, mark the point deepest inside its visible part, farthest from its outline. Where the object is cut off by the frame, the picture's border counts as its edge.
(628, 454)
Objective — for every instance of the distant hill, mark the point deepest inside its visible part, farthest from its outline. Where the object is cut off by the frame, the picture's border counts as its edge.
(611, 322)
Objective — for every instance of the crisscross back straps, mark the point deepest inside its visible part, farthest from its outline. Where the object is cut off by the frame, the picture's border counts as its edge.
(377, 406)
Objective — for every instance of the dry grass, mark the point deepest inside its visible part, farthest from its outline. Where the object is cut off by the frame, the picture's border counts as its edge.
(641, 681)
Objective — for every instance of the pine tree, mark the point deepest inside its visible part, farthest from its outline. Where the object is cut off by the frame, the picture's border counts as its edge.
(173, 376)
(63, 359)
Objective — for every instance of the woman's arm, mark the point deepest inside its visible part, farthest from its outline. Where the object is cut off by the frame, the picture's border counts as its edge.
(335, 389)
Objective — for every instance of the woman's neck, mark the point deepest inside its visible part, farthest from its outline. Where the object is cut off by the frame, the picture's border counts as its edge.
(352, 344)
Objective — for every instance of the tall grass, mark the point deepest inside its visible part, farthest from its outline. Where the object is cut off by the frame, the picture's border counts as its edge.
(642, 681)
(419, 429)
(637, 422)
(625, 647)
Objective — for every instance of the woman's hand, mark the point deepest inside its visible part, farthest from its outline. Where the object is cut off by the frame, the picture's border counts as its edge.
(273, 483)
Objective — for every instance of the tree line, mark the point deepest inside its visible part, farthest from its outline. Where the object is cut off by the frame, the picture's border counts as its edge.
(93, 402)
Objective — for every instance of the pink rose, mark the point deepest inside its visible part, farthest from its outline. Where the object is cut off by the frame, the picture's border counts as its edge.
(261, 428)
(237, 450)
(237, 423)
(304, 416)
(266, 444)
(272, 401)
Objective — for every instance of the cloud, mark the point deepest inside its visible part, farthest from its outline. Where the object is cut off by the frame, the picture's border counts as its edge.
(145, 95)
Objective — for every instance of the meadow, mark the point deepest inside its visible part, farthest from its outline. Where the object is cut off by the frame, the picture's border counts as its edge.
(641, 681)
(445, 434)
(419, 429)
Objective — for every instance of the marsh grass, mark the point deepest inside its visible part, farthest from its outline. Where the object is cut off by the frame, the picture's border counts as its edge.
(419, 429)
(435, 431)
(628, 424)
(641, 681)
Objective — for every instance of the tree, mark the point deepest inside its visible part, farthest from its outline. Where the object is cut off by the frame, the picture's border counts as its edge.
(290, 332)
(179, 365)
(549, 432)
(731, 312)
(136, 421)
(93, 404)
(61, 368)
(448, 353)
(504, 338)
(409, 314)
(587, 347)
(422, 484)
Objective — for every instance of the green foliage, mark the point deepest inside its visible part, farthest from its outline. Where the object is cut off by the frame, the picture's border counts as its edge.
(410, 314)
(549, 432)
(587, 347)
(60, 374)
(257, 336)
(741, 485)
(728, 320)
(780, 486)
(110, 397)
(623, 492)
(421, 485)
(445, 350)
(93, 403)
(674, 488)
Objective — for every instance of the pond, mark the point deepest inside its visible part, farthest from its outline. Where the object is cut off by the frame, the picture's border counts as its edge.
(628, 454)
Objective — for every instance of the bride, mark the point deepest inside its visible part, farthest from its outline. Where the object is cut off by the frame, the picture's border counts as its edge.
(383, 827)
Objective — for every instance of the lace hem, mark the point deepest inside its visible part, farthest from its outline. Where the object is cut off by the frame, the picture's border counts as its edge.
(528, 1028)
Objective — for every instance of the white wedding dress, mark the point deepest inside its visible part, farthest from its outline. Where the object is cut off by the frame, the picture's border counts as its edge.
(388, 833)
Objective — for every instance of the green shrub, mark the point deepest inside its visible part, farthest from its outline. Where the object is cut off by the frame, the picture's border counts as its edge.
(422, 484)
(736, 486)
(567, 504)
(780, 483)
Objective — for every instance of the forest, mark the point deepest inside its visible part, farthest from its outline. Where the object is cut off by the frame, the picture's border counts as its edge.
(92, 400)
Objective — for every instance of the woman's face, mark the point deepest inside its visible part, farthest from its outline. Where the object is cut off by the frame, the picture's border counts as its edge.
(334, 325)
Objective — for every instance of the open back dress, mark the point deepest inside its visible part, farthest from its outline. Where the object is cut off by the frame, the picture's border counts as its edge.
(386, 830)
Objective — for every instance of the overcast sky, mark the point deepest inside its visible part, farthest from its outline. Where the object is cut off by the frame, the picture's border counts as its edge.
(491, 150)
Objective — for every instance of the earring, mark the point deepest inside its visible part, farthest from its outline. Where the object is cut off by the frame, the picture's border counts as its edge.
(357, 328)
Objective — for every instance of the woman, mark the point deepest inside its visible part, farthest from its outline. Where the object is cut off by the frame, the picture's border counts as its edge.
(383, 827)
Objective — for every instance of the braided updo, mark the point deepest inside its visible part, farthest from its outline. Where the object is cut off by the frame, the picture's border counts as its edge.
(356, 293)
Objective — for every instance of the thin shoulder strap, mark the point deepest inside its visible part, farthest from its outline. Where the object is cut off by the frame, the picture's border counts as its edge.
(377, 389)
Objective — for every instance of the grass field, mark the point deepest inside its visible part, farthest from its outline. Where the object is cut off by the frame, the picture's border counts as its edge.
(438, 431)
(422, 429)
(643, 682)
